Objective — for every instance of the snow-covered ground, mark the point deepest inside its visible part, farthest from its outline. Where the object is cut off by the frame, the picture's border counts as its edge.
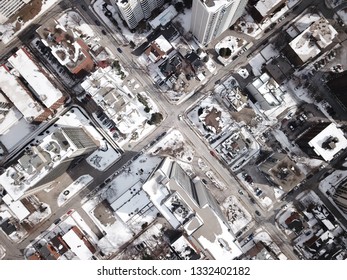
(233, 43)
(184, 19)
(8, 32)
(73, 189)
(174, 145)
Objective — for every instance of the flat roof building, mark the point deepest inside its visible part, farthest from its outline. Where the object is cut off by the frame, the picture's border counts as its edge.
(265, 91)
(39, 166)
(311, 42)
(21, 97)
(324, 141)
(44, 89)
(262, 10)
(329, 142)
(188, 205)
(282, 171)
(164, 17)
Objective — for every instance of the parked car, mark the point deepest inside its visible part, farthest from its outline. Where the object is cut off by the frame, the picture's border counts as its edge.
(257, 213)
(119, 50)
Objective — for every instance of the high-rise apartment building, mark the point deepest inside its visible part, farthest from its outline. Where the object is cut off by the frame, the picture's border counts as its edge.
(9, 8)
(41, 164)
(210, 18)
(133, 11)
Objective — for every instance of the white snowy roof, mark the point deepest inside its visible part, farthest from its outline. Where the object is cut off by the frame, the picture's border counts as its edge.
(163, 44)
(16, 207)
(77, 245)
(29, 170)
(158, 193)
(45, 90)
(214, 5)
(164, 17)
(317, 36)
(181, 245)
(18, 95)
(209, 229)
(330, 131)
(303, 47)
(267, 87)
(264, 7)
(130, 202)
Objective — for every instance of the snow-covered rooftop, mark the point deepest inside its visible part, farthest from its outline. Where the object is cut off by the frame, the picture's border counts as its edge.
(44, 89)
(130, 202)
(163, 44)
(10, 85)
(164, 17)
(33, 166)
(17, 207)
(329, 142)
(264, 7)
(77, 245)
(312, 40)
(214, 5)
(169, 183)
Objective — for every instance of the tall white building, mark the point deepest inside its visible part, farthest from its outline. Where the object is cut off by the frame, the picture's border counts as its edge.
(210, 18)
(41, 164)
(133, 11)
(9, 8)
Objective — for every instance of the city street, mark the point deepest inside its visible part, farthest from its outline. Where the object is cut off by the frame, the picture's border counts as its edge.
(170, 112)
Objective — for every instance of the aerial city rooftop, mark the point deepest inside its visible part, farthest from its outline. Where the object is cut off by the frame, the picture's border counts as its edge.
(170, 130)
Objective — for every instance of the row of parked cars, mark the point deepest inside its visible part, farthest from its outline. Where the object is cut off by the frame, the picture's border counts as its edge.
(109, 124)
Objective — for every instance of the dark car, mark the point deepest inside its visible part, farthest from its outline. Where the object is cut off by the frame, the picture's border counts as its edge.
(257, 212)
(97, 23)
(119, 50)
(103, 32)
